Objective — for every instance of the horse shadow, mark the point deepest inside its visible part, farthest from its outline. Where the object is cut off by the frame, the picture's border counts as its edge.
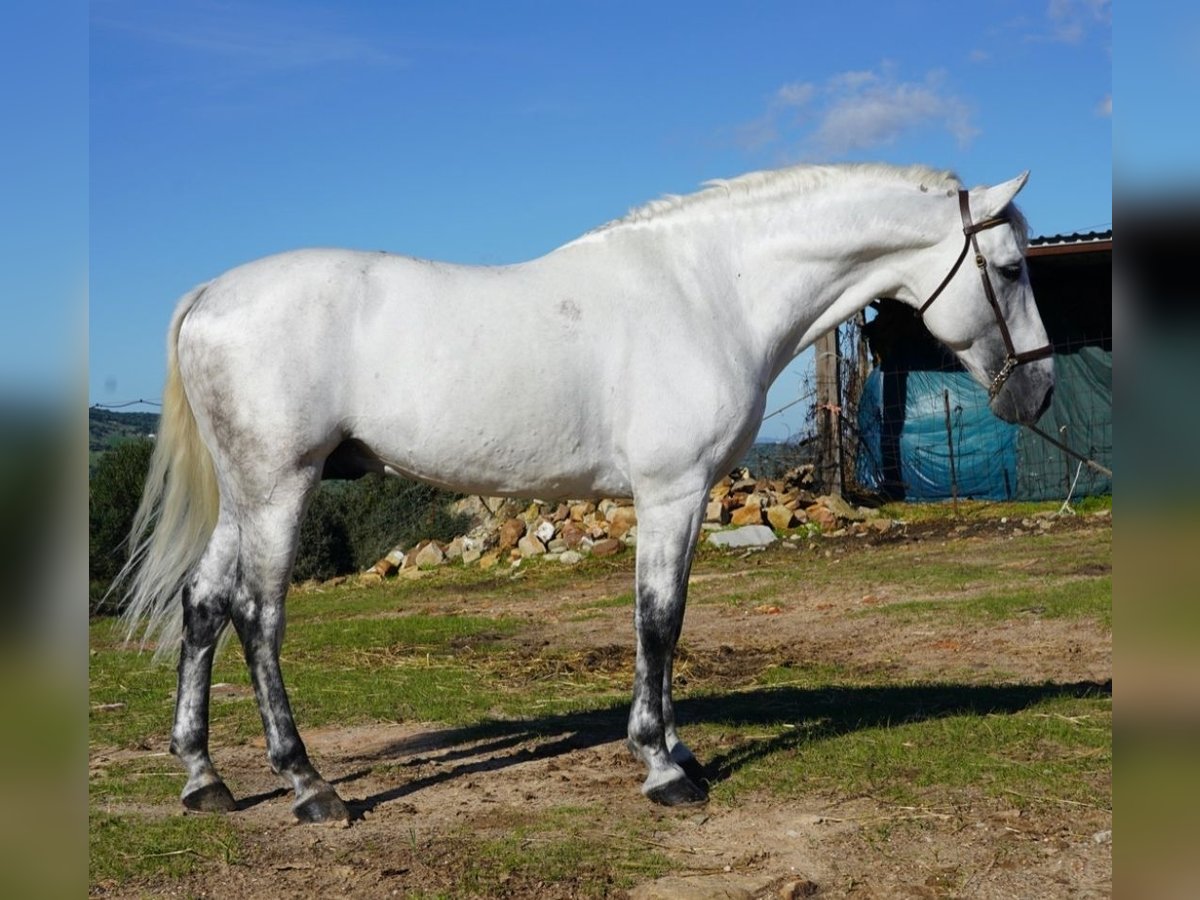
(817, 713)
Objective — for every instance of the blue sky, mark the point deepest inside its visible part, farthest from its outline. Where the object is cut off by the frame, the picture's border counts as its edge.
(491, 133)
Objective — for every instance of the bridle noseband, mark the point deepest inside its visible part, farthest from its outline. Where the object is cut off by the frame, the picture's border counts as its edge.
(970, 229)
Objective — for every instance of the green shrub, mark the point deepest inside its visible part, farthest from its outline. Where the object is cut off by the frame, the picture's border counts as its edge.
(325, 549)
(113, 496)
(348, 526)
(373, 514)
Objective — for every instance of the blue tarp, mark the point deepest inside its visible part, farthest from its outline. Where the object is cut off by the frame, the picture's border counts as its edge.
(993, 460)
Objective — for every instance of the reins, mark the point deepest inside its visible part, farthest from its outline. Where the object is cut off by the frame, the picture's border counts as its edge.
(970, 229)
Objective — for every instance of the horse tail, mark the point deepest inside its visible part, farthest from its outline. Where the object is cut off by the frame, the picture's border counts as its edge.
(177, 513)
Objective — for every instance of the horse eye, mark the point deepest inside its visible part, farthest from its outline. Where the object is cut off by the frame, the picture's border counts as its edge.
(1011, 273)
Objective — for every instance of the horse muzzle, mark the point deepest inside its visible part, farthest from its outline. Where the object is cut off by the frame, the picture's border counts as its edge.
(1025, 394)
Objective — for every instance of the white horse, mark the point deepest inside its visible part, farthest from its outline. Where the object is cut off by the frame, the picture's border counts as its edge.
(633, 361)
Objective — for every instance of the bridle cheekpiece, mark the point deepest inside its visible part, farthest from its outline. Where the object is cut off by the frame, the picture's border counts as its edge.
(970, 229)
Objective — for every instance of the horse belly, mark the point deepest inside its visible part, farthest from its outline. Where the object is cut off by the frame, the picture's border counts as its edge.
(488, 442)
(460, 407)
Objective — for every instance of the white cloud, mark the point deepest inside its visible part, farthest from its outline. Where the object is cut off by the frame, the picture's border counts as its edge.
(1069, 21)
(857, 110)
(1104, 107)
(797, 93)
(254, 41)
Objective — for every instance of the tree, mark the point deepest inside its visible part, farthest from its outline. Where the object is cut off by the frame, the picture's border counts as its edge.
(113, 497)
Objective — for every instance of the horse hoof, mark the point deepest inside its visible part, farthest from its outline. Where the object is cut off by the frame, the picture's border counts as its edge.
(325, 806)
(680, 791)
(213, 797)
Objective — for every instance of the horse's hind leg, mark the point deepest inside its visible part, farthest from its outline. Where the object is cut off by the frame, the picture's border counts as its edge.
(666, 542)
(269, 536)
(206, 600)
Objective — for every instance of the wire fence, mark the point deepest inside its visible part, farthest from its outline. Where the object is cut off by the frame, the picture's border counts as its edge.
(925, 432)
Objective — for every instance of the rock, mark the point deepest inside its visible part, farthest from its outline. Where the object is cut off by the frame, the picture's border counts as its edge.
(489, 560)
(570, 557)
(749, 536)
(604, 506)
(430, 556)
(558, 545)
(545, 531)
(471, 554)
(531, 546)
(561, 513)
(743, 486)
(410, 560)
(620, 520)
(579, 510)
(1103, 837)
(780, 517)
(572, 534)
(746, 515)
(629, 539)
(454, 550)
(606, 547)
(370, 577)
(822, 517)
(385, 566)
(715, 512)
(840, 508)
(795, 890)
(758, 500)
(511, 532)
(720, 490)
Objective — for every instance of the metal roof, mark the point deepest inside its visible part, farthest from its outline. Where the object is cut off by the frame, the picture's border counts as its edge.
(1075, 242)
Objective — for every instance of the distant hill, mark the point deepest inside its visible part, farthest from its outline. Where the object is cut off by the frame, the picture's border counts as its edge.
(106, 427)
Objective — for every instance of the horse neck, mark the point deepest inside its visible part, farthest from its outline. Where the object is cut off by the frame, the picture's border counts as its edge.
(807, 265)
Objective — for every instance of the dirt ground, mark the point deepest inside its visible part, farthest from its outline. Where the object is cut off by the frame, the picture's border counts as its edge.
(422, 793)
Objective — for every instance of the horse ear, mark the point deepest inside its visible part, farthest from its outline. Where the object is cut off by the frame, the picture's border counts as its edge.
(992, 201)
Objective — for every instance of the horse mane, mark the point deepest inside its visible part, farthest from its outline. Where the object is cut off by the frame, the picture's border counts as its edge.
(773, 184)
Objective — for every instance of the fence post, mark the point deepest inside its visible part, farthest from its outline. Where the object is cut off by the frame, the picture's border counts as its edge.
(829, 409)
(950, 447)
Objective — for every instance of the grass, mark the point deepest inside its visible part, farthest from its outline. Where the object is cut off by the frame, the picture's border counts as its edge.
(432, 651)
(1082, 598)
(973, 510)
(128, 846)
(560, 844)
(905, 746)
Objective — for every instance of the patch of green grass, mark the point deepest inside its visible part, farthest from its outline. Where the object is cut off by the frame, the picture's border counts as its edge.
(616, 601)
(345, 671)
(150, 780)
(1056, 748)
(124, 847)
(807, 676)
(944, 510)
(1077, 599)
(562, 845)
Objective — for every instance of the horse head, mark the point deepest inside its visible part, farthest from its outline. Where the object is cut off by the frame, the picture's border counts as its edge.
(989, 319)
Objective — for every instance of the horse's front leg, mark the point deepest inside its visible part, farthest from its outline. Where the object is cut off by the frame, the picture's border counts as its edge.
(666, 543)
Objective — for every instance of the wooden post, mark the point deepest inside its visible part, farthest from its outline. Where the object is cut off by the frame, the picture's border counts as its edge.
(829, 410)
(950, 447)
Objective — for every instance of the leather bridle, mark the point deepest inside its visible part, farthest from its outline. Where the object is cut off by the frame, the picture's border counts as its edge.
(970, 229)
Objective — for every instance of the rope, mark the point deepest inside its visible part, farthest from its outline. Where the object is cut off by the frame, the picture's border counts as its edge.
(1090, 463)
